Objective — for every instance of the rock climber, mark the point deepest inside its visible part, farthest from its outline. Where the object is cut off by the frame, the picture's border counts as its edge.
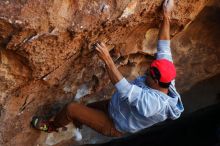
(149, 99)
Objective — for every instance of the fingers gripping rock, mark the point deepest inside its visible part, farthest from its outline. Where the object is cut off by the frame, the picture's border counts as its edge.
(168, 5)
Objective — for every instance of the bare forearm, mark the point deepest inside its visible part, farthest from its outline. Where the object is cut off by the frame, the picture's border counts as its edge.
(164, 33)
(114, 74)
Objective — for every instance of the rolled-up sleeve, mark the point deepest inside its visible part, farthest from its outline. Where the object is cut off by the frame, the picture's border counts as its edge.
(123, 87)
(163, 50)
(128, 90)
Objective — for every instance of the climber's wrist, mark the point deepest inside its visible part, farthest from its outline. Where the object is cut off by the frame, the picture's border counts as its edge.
(108, 60)
(166, 17)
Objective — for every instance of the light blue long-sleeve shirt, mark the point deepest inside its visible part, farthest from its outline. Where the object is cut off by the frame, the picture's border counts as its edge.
(135, 106)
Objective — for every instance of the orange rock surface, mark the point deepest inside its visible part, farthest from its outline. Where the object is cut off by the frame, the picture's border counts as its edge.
(46, 55)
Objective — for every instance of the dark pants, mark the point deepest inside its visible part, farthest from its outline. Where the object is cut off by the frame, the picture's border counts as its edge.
(94, 115)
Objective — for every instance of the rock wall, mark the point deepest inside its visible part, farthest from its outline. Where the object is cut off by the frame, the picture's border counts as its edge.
(46, 58)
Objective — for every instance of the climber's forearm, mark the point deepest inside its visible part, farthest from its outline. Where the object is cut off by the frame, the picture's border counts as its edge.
(164, 33)
(114, 74)
(103, 53)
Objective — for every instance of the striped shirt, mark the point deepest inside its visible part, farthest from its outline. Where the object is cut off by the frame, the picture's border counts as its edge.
(135, 106)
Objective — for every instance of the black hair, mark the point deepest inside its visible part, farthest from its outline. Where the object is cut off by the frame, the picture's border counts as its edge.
(157, 76)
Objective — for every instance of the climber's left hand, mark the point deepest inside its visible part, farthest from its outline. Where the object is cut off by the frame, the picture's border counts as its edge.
(103, 52)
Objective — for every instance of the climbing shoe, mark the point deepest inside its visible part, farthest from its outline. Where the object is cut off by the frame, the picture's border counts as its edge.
(42, 124)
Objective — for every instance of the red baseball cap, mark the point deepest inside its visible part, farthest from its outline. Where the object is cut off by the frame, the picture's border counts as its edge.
(166, 68)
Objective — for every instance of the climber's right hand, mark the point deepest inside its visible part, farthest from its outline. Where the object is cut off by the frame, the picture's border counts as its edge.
(168, 6)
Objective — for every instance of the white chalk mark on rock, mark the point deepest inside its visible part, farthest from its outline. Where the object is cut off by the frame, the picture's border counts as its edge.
(82, 91)
(18, 22)
(130, 9)
(67, 89)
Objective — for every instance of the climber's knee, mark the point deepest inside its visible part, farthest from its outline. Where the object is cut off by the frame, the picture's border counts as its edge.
(72, 108)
